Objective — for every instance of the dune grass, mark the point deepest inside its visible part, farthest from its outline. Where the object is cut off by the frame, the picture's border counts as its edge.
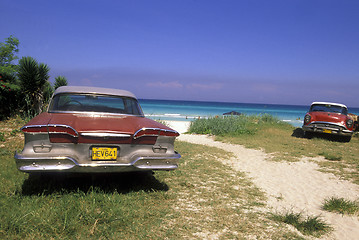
(307, 225)
(232, 125)
(341, 205)
(203, 199)
(286, 143)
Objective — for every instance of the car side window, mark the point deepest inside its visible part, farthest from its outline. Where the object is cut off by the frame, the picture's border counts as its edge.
(132, 107)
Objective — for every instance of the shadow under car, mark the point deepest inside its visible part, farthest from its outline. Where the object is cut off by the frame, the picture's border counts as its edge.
(49, 183)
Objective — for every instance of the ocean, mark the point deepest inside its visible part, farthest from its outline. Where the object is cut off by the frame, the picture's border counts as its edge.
(189, 110)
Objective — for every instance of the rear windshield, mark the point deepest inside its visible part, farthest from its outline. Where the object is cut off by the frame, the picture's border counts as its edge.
(328, 108)
(95, 103)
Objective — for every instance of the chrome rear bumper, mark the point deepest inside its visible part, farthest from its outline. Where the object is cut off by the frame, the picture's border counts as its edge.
(69, 164)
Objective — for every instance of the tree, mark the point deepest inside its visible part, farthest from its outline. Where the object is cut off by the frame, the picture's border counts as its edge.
(33, 78)
(9, 88)
(8, 51)
(60, 81)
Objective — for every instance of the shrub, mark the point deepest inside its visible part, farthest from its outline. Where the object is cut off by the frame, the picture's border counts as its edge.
(340, 205)
(310, 226)
(232, 125)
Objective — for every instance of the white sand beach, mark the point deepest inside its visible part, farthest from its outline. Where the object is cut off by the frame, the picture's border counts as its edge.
(179, 126)
(296, 186)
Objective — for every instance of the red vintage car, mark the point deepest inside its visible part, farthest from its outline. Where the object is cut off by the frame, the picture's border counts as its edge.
(89, 129)
(331, 118)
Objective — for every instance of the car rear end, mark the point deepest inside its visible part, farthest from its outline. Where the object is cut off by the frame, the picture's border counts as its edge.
(56, 147)
(68, 139)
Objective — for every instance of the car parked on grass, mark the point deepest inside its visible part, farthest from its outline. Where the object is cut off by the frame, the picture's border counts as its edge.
(330, 118)
(88, 129)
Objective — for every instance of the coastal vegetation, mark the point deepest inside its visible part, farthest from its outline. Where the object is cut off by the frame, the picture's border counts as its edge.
(25, 86)
(228, 126)
(341, 205)
(202, 199)
(306, 225)
(284, 142)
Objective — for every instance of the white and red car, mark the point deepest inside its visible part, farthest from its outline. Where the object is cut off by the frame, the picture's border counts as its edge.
(89, 129)
(330, 118)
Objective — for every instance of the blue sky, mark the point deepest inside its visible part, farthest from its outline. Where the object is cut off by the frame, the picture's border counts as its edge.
(256, 51)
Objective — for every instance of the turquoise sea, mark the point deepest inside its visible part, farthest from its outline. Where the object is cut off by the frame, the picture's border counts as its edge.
(189, 110)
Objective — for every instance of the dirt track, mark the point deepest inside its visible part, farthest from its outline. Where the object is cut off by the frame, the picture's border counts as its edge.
(298, 186)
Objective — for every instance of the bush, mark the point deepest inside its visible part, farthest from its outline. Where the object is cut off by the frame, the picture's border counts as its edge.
(9, 94)
(221, 125)
(341, 205)
(232, 125)
(309, 226)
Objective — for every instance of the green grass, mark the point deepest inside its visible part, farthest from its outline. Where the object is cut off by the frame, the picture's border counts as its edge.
(341, 205)
(202, 199)
(286, 143)
(309, 226)
(330, 156)
(232, 125)
(2, 137)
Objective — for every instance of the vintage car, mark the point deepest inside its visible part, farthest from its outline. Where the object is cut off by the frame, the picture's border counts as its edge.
(88, 129)
(331, 118)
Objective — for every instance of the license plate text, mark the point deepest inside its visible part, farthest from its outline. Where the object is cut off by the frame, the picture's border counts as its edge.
(104, 153)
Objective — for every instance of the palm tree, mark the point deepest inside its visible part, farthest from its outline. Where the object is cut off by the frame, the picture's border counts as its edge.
(60, 81)
(33, 78)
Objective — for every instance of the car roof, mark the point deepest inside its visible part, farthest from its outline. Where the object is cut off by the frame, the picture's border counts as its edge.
(330, 103)
(94, 90)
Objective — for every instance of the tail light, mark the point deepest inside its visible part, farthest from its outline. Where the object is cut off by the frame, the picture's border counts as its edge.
(62, 134)
(155, 132)
(147, 132)
(57, 133)
(149, 135)
(35, 129)
(169, 133)
(62, 129)
(66, 134)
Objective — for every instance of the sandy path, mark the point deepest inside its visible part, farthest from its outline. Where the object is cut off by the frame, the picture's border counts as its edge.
(292, 186)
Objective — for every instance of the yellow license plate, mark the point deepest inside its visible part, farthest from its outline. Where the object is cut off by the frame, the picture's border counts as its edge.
(327, 131)
(104, 153)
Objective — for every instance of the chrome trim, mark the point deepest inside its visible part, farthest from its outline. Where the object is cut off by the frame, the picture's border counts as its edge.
(104, 165)
(40, 164)
(36, 126)
(338, 129)
(65, 126)
(163, 166)
(92, 134)
(331, 123)
(51, 125)
(34, 166)
(153, 129)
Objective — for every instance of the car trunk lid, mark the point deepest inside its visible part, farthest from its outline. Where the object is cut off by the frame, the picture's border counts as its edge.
(99, 128)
